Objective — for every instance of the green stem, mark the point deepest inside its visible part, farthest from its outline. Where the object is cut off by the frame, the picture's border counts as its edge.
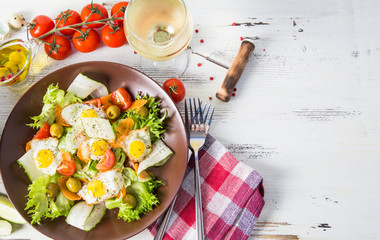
(56, 29)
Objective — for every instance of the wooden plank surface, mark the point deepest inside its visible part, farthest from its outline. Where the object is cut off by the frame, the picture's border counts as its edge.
(305, 114)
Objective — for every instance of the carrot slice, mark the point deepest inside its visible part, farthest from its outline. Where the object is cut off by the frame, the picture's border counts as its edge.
(125, 126)
(138, 103)
(122, 192)
(58, 116)
(62, 185)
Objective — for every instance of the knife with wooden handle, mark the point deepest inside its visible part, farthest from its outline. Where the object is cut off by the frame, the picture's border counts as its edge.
(236, 69)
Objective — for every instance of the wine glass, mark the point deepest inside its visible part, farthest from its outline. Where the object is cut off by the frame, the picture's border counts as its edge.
(159, 31)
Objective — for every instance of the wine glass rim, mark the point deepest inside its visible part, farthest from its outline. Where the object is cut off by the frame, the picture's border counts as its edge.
(150, 42)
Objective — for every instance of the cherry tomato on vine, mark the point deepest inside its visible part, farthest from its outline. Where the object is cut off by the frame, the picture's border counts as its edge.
(119, 8)
(96, 11)
(121, 98)
(113, 36)
(175, 88)
(86, 40)
(58, 48)
(68, 17)
(40, 25)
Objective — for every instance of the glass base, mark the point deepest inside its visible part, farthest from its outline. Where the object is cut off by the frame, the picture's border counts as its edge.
(173, 68)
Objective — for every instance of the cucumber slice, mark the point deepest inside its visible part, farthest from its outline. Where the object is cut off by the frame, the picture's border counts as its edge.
(95, 217)
(98, 128)
(85, 217)
(73, 138)
(26, 161)
(8, 212)
(5, 228)
(159, 155)
(83, 86)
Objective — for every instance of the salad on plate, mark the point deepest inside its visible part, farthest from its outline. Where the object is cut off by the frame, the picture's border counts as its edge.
(92, 152)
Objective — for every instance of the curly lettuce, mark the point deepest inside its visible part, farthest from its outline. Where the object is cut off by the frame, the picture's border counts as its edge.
(154, 120)
(40, 206)
(144, 194)
(53, 96)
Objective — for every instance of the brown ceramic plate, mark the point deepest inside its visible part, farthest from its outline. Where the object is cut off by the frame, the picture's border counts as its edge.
(16, 134)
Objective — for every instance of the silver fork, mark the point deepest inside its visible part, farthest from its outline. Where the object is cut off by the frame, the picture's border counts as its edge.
(199, 127)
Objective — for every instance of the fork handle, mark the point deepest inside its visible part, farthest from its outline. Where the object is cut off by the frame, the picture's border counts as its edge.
(198, 200)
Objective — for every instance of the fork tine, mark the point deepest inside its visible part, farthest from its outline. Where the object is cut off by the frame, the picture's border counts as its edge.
(191, 116)
(209, 121)
(206, 115)
(187, 126)
(196, 112)
(200, 111)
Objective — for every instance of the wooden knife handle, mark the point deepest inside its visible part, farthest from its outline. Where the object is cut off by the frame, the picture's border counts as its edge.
(236, 69)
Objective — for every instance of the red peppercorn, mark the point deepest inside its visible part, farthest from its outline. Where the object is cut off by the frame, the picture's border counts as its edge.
(241, 38)
(211, 78)
(264, 49)
(233, 94)
(199, 64)
(19, 50)
(234, 24)
(134, 52)
(210, 98)
(201, 40)
(235, 89)
(196, 30)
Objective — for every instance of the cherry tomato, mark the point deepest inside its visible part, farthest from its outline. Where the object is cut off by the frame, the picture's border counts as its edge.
(86, 40)
(107, 161)
(67, 166)
(175, 88)
(44, 132)
(121, 98)
(59, 47)
(94, 102)
(40, 25)
(113, 36)
(98, 12)
(68, 17)
(119, 9)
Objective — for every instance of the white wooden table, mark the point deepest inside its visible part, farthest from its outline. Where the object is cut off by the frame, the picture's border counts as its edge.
(305, 114)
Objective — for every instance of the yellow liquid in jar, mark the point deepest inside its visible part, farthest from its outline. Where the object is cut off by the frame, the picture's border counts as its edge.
(12, 61)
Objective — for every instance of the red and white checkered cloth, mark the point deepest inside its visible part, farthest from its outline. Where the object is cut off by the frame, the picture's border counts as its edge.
(232, 197)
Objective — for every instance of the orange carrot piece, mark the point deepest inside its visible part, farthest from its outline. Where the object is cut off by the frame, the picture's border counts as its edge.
(138, 103)
(125, 126)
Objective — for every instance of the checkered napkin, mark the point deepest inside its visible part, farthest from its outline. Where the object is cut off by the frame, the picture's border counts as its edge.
(232, 197)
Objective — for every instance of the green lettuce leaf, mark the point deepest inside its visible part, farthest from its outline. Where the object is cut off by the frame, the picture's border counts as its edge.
(145, 198)
(154, 120)
(40, 206)
(119, 158)
(53, 96)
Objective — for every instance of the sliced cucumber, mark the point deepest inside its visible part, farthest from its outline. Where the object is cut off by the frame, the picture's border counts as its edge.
(73, 138)
(8, 212)
(95, 217)
(26, 161)
(82, 87)
(5, 228)
(85, 217)
(159, 155)
(98, 128)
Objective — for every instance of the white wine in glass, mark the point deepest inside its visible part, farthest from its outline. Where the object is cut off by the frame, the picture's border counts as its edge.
(158, 30)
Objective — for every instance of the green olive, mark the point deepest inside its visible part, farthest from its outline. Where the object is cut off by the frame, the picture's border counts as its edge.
(52, 190)
(56, 130)
(113, 112)
(143, 111)
(73, 184)
(130, 200)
